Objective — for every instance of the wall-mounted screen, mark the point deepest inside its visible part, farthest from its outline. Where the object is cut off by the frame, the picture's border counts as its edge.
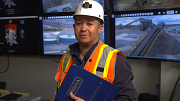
(18, 7)
(124, 5)
(55, 6)
(57, 33)
(148, 34)
(19, 35)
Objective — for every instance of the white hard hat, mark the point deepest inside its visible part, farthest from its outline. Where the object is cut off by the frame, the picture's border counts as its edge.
(90, 8)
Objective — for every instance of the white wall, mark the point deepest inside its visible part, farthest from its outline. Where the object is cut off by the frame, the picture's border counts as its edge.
(170, 72)
(35, 75)
(147, 74)
(32, 75)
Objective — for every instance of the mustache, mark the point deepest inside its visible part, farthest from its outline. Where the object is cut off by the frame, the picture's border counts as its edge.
(83, 33)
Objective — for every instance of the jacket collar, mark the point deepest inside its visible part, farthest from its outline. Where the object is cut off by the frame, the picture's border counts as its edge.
(75, 50)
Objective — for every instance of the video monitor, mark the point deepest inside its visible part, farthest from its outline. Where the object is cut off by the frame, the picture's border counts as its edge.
(18, 7)
(148, 34)
(19, 35)
(55, 6)
(57, 33)
(124, 5)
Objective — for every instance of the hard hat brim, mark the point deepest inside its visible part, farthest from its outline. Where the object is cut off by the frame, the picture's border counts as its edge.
(100, 20)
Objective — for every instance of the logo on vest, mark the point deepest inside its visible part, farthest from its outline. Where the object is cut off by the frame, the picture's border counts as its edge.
(76, 84)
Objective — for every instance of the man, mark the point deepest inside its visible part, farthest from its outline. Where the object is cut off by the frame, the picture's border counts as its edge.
(93, 55)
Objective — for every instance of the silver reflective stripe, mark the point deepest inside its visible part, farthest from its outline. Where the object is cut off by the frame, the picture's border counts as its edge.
(66, 60)
(98, 73)
(103, 58)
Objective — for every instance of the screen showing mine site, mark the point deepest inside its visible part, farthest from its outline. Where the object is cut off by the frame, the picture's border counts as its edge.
(120, 5)
(54, 6)
(151, 34)
(57, 34)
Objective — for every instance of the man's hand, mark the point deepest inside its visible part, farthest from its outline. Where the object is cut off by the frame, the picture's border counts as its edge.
(75, 97)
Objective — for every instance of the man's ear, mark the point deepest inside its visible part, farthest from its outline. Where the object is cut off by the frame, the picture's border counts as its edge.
(74, 26)
(100, 28)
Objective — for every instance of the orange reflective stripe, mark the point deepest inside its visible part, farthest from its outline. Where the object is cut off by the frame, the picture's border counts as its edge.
(107, 66)
(63, 73)
(111, 69)
(90, 65)
(121, 54)
(70, 61)
(60, 81)
(58, 75)
(105, 78)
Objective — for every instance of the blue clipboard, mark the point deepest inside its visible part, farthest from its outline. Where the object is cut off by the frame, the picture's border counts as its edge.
(86, 86)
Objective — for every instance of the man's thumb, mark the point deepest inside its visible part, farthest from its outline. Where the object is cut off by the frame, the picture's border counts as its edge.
(72, 96)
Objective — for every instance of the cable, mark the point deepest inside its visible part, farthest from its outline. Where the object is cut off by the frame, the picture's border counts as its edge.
(174, 89)
(7, 66)
(55, 60)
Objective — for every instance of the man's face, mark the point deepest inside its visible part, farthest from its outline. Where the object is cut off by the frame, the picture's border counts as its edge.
(87, 29)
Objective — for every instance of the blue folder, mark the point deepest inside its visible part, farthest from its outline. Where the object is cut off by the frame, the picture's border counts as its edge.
(86, 86)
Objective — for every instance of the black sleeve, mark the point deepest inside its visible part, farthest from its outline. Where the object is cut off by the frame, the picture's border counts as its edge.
(123, 79)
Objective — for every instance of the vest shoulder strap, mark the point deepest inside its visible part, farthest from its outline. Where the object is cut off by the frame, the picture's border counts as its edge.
(67, 58)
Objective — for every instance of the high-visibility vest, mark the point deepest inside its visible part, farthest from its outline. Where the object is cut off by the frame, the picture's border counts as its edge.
(103, 57)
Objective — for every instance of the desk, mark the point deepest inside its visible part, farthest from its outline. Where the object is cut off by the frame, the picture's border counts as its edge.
(26, 98)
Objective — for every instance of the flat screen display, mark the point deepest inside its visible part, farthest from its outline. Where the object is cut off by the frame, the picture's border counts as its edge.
(124, 5)
(19, 35)
(19, 8)
(55, 6)
(148, 34)
(57, 33)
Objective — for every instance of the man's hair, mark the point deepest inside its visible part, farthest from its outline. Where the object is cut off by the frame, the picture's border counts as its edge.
(100, 21)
